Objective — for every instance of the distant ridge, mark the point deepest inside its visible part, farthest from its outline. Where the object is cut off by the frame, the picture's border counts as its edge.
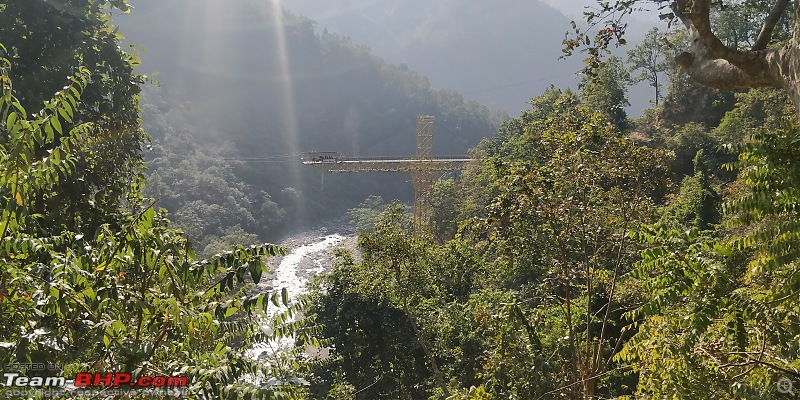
(499, 53)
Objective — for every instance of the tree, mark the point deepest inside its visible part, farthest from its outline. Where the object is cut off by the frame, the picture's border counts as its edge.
(445, 203)
(567, 209)
(371, 312)
(649, 58)
(130, 296)
(720, 297)
(46, 42)
(366, 216)
(606, 91)
(769, 62)
(723, 309)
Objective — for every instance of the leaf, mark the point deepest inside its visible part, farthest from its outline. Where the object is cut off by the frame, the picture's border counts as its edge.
(89, 293)
(220, 349)
(255, 267)
(285, 296)
(48, 129)
(298, 381)
(63, 113)
(261, 304)
(18, 197)
(56, 124)
(724, 251)
(274, 299)
(44, 331)
(230, 311)
(12, 118)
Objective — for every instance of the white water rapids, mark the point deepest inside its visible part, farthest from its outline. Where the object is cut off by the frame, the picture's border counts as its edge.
(286, 275)
(303, 260)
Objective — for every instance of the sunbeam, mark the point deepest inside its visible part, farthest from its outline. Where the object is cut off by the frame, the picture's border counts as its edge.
(290, 133)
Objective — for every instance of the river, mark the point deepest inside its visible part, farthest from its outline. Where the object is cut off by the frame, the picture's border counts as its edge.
(309, 254)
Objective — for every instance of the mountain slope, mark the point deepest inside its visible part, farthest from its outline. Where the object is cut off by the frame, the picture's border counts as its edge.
(245, 88)
(498, 53)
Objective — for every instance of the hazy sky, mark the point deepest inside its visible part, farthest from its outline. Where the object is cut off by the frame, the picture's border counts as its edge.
(575, 8)
(570, 8)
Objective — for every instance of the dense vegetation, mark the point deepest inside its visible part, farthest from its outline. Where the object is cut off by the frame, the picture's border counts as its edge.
(588, 255)
(583, 255)
(93, 277)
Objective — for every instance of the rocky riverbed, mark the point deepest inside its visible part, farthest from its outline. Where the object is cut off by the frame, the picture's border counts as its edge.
(310, 253)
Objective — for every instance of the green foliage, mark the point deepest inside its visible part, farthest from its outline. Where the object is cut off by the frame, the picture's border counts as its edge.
(365, 217)
(232, 237)
(46, 42)
(130, 295)
(755, 110)
(477, 313)
(695, 206)
(606, 91)
(93, 279)
(650, 57)
(770, 171)
(477, 187)
(375, 347)
(724, 308)
(585, 279)
(686, 142)
(560, 226)
(545, 105)
(537, 255)
(196, 182)
(738, 24)
(445, 202)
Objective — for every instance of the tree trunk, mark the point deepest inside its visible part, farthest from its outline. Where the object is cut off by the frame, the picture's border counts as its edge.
(589, 388)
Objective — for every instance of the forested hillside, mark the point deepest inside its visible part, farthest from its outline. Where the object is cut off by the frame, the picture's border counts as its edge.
(590, 256)
(581, 254)
(252, 88)
(497, 54)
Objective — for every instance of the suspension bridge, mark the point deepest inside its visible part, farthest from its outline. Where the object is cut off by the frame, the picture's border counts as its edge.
(424, 168)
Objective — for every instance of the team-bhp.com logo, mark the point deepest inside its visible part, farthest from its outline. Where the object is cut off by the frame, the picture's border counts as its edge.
(85, 379)
(16, 383)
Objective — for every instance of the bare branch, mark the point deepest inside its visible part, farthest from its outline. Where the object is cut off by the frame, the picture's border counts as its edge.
(765, 35)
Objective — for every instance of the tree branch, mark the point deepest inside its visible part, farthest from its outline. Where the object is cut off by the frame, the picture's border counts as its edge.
(765, 35)
(796, 33)
(709, 62)
(679, 8)
(775, 367)
(701, 21)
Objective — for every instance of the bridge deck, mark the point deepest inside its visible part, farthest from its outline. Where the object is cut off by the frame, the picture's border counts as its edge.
(389, 164)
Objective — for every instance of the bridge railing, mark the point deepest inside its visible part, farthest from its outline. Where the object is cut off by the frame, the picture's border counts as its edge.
(333, 157)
